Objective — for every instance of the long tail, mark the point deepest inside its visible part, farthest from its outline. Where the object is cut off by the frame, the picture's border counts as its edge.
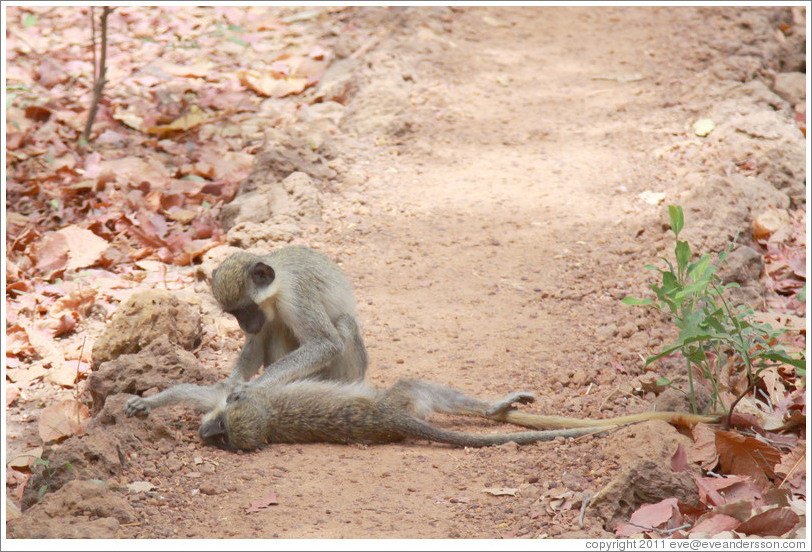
(418, 429)
(538, 421)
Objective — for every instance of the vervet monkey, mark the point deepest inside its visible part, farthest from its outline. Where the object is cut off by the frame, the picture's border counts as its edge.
(298, 313)
(310, 411)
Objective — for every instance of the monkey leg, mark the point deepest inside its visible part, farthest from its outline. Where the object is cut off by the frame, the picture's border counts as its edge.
(351, 364)
(421, 398)
(202, 398)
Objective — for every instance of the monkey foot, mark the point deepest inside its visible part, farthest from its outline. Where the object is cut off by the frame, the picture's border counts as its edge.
(136, 406)
(506, 403)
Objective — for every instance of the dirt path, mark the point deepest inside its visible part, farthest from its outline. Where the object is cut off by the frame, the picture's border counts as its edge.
(490, 237)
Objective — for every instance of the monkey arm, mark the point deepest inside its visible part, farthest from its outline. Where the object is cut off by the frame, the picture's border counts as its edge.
(319, 343)
(203, 398)
(537, 421)
(251, 358)
(301, 363)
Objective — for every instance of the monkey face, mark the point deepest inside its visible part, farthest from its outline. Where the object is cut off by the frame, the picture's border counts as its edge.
(250, 317)
(214, 432)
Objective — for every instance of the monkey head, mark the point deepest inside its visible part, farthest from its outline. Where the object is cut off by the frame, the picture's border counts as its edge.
(244, 286)
(237, 426)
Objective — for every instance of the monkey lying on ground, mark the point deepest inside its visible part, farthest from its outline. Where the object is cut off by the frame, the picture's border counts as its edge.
(309, 411)
(298, 314)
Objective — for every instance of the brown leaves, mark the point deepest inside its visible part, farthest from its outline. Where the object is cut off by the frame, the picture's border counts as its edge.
(746, 456)
(63, 419)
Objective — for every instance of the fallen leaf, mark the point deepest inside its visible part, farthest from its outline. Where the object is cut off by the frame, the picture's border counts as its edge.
(140, 486)
(268, 85)
(84, 248)
(793, 464)
(194, 118)
(12, 393)
(743, 455)
(713, 526)
(704, 452)
(24, 460)
(501, 491)
(680, 459)
(26, 374)
(63, 374)
(63, 419)
(711, 489)
(651, 516)
(259, 505)
(771, 523)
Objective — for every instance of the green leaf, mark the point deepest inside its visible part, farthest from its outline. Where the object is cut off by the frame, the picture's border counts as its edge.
(635, 301)
(683, 254)
(238, 40)
(29, 20)
(802, 294)
(662, 380)
(41, 491)
(779, 356)
(236, 29)
(677, 219)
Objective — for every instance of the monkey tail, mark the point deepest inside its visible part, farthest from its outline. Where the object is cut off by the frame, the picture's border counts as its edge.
(537, 421)
(418, 429)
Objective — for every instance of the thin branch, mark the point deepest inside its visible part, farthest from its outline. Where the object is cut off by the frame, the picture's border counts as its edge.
(100, 73)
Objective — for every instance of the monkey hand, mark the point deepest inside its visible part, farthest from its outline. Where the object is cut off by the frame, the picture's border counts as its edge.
(137, 406)
(506, 403)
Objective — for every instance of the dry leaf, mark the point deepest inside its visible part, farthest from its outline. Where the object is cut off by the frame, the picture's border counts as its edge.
(24, 460)
(268, 85)
(12, 393)
(63, 419)
(680, 459)
(193, 119)
(746, 456)
(771, 523)
(704, 450)
(27, 373)
(259, 505)
(714, 525)
(63, 374)
(651, 516)
(84, 248)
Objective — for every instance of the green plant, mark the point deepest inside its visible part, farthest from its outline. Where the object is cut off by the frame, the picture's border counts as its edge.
(712, 332)
(48, 475)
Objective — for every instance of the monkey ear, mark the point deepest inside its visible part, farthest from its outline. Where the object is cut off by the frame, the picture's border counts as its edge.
(262, 275)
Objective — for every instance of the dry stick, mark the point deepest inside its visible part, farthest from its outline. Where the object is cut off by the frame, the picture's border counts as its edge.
(102, 70)
(735, 402)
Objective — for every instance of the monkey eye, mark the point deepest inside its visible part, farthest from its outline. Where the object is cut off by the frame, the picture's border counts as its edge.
(235, 396)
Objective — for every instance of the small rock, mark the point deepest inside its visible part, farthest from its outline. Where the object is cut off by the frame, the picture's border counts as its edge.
(606, 332)
(743, 265)
(769, 222)
(627, 330)
(791, 87)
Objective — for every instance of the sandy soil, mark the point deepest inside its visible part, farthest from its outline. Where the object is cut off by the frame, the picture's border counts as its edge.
(486, 207)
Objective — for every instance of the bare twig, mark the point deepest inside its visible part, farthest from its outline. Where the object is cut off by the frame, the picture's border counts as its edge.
(99, 72)
(584, 503)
